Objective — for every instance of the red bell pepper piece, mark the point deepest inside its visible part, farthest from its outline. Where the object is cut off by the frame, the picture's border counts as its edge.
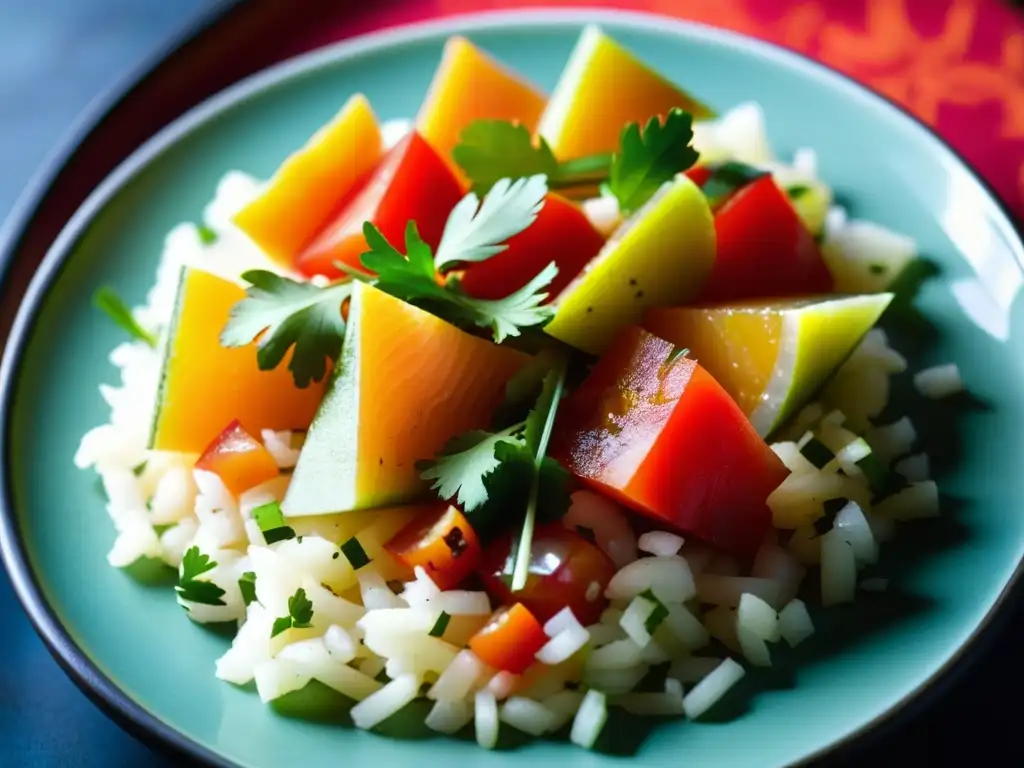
(562, 233)
(656, 432)
(442, 542)
(238, 459)
(412, 183)
(510, 640)
(764, 250)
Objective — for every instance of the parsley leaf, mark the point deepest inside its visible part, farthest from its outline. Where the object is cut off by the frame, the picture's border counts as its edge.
(107, 301)
(465, 461)
(476, 231)
(490, 150)
(409, 277)
(247, 586)
(537, 434)
(189, 587)
(285, 313)
(647, 159)
(300, 614)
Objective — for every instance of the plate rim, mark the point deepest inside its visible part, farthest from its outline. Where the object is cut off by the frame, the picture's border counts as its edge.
(116, 703)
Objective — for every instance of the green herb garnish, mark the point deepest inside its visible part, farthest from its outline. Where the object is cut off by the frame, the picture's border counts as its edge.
(206, 235)
(816, 452)
(270, 519)
(460, 470)
(440, 625)
(107, 301)
(797, 191)
(832, 508)
(286, 314)
(300, 614)
(190, 588)
(247, 585)
(355, 554)
(728, 177)
(878, 269)
(658, 615)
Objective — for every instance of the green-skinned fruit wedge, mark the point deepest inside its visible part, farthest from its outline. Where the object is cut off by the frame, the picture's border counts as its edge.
(602, 88)
(407, 382)
(659, 257)
(771, 356)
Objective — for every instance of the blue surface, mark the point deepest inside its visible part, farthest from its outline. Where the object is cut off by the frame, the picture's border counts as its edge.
(55, 57)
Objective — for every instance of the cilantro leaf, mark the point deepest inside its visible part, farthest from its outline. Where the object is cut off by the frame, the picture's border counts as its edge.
(520, 309)
(247, 586)
(476, 231)
(189, 587)
(460, 469)
(285, 313)
(412, 278)
(489, 150)
(647, 159)
(300, 614)
(107, 301)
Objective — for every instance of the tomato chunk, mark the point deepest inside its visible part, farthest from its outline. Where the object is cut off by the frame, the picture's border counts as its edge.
(565, 570)
(412, 183)
(238, 459)
(764, 249)
(510, 640)
(656, 432)
(562, 233)
(442, 542)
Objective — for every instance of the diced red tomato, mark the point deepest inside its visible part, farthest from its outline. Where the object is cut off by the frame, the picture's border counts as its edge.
(698, 174)
(442, 542)
(510, 640)
(565, 570)
(764, 250)
(656, 432)
(412, 183)
(562, 233)
(238, 459)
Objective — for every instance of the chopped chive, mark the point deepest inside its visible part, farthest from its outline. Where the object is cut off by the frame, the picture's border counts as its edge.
(817, 453)
(832, 507)
(676, 353)
(797, 191)
(878, 269)
(206, 235)
(354, 553)
(107, 301)
(657, 616)
(440, 625)
(247, 585)
(138, 469)
(270, 519)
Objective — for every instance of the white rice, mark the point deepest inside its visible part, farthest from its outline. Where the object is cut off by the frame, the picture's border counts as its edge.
(939, 382)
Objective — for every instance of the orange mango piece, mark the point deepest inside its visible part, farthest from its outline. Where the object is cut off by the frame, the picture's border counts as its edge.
(203, 385)
(311, 183)
(238, 459)
(407, 382)
(471, 85)
(602, 88)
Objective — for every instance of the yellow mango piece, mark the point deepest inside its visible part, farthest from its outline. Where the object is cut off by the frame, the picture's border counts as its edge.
(308, 188)
(602, 88)
(471, 85)
(659, 257)
(203, 386)
(407, 382)
(771, 356)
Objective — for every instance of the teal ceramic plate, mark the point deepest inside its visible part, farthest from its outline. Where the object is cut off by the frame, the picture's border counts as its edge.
(131, 647)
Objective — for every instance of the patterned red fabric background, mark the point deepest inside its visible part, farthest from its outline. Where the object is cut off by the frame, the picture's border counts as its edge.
(957, 64)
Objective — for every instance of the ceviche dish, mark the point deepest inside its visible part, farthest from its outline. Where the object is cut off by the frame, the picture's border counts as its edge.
(529, 410)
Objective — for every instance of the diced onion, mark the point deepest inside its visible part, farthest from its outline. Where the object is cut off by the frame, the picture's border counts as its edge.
(449, 717)
(855, 527)
(754, 648)
(795, 623)
(501, 685)
(892, 440)
(915, 468)
(485, 712)
(460, 678)
(620, 654)
(916, 501)
(615, 680)
(528, 716)
(589, 720)
(340, 644)
(563, 707)
(686, 627)
(634, 620)
(660, 543)
(692, 668)
(381, 705)
(602, 634)
(838, 569)
(564, 619)
(712, 688)
(727, 590)
(939, 381)
(668, 577)
(755, 615)
(564, 645)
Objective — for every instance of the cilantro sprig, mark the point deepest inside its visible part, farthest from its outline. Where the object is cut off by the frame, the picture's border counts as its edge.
(300, 614)
(193, 589)
(647, 157)
(113, 306)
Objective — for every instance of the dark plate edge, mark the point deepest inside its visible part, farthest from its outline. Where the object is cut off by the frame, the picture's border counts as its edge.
(85, 674)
